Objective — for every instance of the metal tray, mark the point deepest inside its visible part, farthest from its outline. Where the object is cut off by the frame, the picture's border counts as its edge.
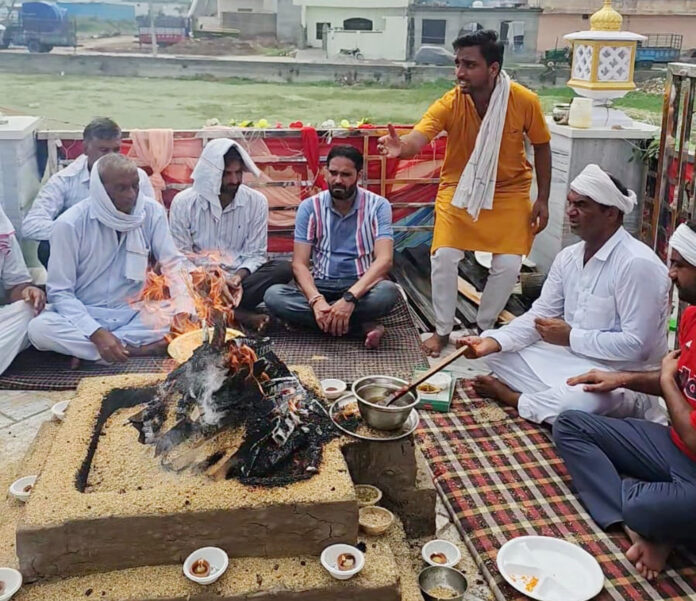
(407, 429)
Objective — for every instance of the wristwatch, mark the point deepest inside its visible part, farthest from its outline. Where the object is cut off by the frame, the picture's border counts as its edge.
(349, 297)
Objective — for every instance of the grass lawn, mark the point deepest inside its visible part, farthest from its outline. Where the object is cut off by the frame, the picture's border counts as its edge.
(71, 102)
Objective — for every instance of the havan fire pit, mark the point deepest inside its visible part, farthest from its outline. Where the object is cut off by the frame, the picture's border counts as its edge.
(164, 465)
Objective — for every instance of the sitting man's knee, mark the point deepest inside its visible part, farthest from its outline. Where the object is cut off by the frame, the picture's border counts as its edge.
(568, 422)
(37, 330)
(273, 297)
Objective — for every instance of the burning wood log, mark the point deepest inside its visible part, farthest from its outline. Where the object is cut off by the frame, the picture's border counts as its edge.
(225, 386)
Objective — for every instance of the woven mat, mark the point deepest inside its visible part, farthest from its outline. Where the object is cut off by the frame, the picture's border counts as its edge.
(500, 478)
(34, 370)
(347, 358)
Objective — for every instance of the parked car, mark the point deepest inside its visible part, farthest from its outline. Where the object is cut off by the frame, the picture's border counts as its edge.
(434, 55)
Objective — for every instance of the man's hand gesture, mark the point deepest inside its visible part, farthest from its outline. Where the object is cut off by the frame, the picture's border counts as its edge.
(598, 381)
(478, 347)
(110, 348)
(391, 144)
(322, 314)
(554, 331)
(339, 317)
(35, 297)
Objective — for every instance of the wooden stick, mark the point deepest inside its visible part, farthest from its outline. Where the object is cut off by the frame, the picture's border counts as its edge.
(433, 370)
(466, 289)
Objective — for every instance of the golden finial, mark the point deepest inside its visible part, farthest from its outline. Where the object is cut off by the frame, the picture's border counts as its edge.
(606, 19)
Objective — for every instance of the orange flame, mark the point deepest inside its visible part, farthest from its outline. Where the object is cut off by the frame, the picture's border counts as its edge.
(208, 289)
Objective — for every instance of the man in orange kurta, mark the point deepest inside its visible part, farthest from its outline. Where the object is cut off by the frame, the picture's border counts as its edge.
(507, 230)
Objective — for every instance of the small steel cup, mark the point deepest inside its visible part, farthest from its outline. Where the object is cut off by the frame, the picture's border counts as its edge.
(434, 576)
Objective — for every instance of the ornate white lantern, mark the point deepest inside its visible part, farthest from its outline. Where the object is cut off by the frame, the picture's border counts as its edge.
(603, 60)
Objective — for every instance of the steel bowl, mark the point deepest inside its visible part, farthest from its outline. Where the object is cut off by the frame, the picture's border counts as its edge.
(371, 390)
(435, 576)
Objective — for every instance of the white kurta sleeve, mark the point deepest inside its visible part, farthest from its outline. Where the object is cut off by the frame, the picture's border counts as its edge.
(256, 243)
(146, 185)
(13, 269)
(180, 223)
(48, 205)
(641, 297)
(521, 332)
(174, 265)
(62, 276)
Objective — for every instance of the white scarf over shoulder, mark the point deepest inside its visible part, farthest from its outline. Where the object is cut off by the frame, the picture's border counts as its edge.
(131, 224)
(476, 186)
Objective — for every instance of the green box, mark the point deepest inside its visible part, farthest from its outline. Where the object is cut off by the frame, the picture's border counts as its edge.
(438, 401)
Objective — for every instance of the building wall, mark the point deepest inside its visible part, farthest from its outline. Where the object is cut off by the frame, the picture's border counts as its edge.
(250, 24)
(289, 22)
(337, 15)
(552, 27)
(487, 18)
(388, 44)
(625, 7)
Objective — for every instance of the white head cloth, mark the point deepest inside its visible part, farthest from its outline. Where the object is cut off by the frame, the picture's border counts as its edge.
(596, 184)
(207, 175)
(683, 240)
(476, 186)
(107, 214)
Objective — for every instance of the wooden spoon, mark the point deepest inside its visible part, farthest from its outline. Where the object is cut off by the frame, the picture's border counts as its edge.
(432, 371)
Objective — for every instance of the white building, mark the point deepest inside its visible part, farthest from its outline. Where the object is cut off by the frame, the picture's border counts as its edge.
(378, 28)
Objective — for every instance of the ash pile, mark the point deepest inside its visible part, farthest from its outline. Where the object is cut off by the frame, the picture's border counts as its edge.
(225, 388)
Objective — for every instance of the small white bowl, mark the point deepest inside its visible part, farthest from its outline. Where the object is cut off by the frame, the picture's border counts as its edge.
(448, 549)
(58, 410)
(338, 386)
(18, 486)
(217, 559)
(12, 580)
(329, 559)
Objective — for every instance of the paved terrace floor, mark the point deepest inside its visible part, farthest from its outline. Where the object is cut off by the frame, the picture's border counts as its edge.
(23, 412)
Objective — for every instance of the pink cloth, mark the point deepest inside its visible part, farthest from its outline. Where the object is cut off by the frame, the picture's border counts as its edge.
(153, 148)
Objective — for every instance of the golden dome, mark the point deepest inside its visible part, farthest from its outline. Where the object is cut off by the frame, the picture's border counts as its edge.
(606, 19)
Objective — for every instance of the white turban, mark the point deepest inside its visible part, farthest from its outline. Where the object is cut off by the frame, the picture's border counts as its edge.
(683, 240)
(596, 184)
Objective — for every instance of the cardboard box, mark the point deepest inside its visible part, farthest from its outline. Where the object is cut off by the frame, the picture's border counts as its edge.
(440, 400)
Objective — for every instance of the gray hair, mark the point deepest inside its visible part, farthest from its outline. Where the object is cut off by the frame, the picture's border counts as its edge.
(115, 162)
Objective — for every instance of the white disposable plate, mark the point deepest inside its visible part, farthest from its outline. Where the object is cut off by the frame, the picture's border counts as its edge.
(409, 426)
(564, 571)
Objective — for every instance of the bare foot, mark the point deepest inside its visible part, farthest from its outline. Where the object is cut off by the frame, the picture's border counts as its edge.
(374, 336)
(255, 322)
(648, 557)
(74, 363)
(491, 387)
(433, 346)
(154, 348)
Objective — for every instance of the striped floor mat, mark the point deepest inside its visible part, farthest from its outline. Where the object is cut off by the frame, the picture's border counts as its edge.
(500, 478)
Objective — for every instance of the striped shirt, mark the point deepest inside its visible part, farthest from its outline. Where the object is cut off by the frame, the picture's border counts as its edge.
(64, 190)
(343, 246)
(237, 239)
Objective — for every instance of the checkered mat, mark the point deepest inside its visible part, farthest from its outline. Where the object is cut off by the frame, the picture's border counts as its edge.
(346, 358)
(500, 478)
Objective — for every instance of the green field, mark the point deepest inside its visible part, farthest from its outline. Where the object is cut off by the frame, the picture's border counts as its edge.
(70, 102)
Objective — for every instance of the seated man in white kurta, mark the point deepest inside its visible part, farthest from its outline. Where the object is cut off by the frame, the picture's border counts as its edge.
(24, 301)
(220, 221)
(604, 305)
(99, 258)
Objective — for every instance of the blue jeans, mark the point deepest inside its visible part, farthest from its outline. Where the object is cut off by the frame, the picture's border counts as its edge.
(288, 303)
(629, 471)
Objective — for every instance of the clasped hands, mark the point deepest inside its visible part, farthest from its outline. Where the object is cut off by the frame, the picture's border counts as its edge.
(333, 319)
